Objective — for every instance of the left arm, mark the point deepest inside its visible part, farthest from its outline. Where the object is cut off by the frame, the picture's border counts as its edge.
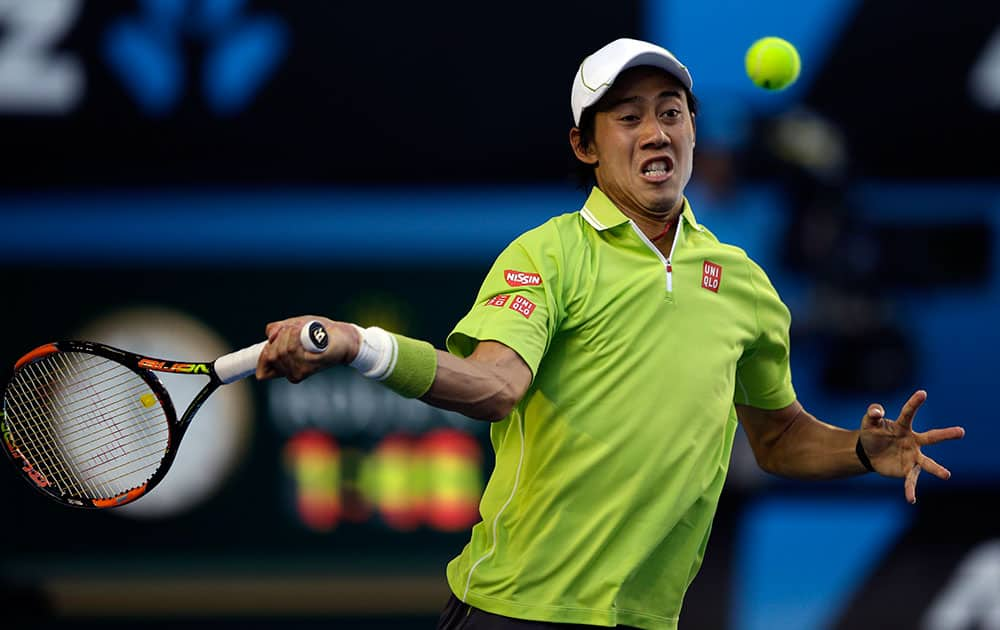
(791, 442)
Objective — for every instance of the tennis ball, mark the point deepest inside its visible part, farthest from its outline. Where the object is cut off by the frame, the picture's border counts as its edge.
(772, 63)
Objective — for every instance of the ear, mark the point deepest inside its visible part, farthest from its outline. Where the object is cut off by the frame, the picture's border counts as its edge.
(694, 129)
(586, 155)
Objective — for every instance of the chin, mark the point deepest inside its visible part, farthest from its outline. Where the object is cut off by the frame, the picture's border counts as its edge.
(661, 204)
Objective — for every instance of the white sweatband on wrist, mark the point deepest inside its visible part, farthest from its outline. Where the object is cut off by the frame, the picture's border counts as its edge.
(377, 355)
(406, 366)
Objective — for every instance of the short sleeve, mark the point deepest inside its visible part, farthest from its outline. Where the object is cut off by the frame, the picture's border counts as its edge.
(763, 374)
(517, 303)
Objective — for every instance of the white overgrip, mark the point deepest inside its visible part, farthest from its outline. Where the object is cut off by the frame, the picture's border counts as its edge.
(240, 364)
(243, 363)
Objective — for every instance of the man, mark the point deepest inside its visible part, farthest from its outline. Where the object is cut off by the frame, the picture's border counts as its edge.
(614, 349)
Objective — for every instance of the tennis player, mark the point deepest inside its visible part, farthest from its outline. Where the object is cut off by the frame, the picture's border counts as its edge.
(615, 349)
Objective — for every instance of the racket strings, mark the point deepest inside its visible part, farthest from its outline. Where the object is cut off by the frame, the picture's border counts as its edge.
(69, 409)
(92, 382)
(41, 416)
(70, 475)
(37, 440)
(150, 440)
(119, 445)
(87, 424)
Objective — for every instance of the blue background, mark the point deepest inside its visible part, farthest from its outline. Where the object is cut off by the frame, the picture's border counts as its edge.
(260, 143)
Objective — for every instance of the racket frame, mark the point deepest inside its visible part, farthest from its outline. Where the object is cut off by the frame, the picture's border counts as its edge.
(143, 366)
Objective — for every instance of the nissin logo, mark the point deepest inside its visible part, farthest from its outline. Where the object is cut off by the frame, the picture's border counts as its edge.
(236, 53)
(521, 278)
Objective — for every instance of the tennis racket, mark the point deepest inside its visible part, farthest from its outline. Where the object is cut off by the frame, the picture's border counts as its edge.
(92, 426)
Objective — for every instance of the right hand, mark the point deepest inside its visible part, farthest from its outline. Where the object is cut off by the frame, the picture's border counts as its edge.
(284, 355)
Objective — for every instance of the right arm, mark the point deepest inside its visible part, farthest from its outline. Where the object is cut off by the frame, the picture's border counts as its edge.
(486, 385)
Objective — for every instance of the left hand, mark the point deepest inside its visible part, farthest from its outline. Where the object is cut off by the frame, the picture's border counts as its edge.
(894, 447)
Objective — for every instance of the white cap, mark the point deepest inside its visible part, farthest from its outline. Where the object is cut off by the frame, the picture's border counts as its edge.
(599, 70)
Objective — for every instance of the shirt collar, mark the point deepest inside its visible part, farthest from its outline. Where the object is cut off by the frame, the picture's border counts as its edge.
(601, 214)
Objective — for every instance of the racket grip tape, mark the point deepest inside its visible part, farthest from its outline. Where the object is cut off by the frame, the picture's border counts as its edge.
(240, 364)
(243, 363)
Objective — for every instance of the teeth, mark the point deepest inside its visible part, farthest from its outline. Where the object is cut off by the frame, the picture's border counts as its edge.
(656, 168)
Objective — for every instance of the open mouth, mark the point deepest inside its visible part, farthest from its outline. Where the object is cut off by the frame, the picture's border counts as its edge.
(658, 168)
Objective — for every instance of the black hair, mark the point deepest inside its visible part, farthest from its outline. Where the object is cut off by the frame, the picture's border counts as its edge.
(582, 172)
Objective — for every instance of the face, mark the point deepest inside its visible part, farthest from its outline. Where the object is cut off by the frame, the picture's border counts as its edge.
(643, 144)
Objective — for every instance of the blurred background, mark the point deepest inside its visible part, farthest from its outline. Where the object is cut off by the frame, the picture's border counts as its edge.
(178, 173)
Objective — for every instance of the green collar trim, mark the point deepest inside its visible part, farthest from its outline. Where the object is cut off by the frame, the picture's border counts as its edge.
(602, 214)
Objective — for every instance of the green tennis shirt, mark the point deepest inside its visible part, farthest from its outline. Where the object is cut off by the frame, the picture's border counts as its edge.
(608, 471)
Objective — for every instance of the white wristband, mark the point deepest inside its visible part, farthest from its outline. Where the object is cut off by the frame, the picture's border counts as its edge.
(377, 356)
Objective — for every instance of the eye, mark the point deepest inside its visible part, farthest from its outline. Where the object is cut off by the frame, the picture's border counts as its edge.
(671, 113)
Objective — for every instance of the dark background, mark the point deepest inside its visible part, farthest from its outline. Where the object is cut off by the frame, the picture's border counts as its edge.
(372, 166)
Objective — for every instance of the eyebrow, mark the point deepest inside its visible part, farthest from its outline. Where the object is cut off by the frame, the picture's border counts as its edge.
(633, 99)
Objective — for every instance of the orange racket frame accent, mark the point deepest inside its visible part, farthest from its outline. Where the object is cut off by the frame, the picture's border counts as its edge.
(37, 353)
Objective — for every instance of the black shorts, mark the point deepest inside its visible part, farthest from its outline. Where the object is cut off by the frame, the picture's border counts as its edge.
(459, 616)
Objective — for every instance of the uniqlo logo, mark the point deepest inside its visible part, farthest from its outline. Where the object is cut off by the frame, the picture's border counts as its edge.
(523, 305)
(498, 300)
(711, 276)
(521, 278)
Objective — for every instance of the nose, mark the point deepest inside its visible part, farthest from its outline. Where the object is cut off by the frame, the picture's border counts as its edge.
(654, 135)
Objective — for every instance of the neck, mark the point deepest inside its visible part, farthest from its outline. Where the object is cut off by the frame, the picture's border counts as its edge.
(651, 220)
(656, 226)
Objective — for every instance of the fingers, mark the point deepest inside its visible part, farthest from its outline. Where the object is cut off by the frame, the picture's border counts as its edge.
(940, 435)
(266, 364)
(935, 468)
(931, 466)
(281, 355)
(274, 328)
(284, 354)
(910, 486)
(873, 417)
(909, 410)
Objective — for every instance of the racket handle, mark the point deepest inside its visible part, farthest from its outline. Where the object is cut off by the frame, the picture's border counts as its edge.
(240, 364)
(314, 337)
(243, 363)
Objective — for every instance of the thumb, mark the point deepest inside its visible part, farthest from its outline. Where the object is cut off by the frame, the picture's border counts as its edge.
(873, 417)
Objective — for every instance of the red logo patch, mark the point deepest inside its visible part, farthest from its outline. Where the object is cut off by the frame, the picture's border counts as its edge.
(711, 276)
(523, 305)
(521, 278)
(497, 300)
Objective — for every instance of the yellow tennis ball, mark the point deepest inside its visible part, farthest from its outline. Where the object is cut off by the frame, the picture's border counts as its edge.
(772, 63)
